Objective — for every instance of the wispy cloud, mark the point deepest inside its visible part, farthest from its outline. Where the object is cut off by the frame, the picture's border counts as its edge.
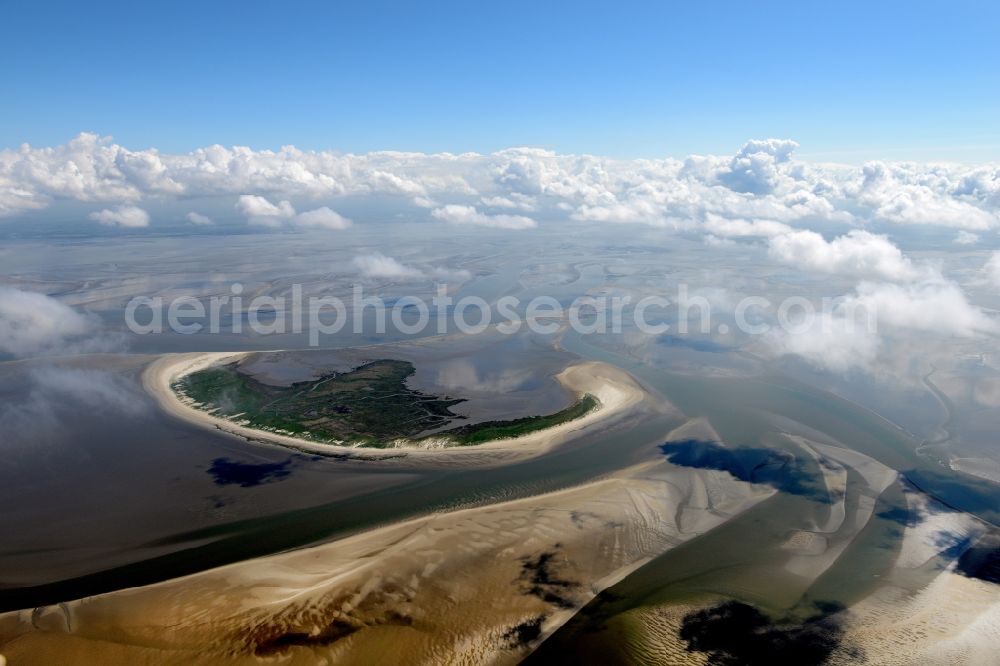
(122, 216)
(199, 219)
(378, 265)
(468, 215)
(32, 324)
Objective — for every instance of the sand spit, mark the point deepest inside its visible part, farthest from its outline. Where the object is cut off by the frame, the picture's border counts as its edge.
(984, 468)
(480, 585)
(617, 393)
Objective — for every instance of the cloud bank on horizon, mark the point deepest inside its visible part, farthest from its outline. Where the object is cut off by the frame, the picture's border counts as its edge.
(510, 189)
(761, 195)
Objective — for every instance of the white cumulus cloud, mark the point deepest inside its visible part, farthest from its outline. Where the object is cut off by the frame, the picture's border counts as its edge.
(857, 253)
(830, 340)
(857, 330)
(932, 306)
(199, 219)
(910, 194)
(468, 215)
(754, 169)
(763, 180)
(32, 323)
(732, 228)
(991, 270)
(321, 218)
(260, 211)
(966, 238)
(377, 265)
(122, 216)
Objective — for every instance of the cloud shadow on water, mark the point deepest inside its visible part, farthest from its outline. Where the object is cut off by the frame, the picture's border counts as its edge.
(778, 469)
(982, 560)
(693, 343)
(230, 472)
(737, 634)
(901, 515)
(961, 492)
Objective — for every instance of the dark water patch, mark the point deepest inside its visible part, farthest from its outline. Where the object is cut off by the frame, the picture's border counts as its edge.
(958, 491)
(227, 472)
(543, 582)
(327, 635)
(696, 344)
(331, 633)
(981, 560)
(580, 518)
(779, 469)
(951, 546)
(901, 515)
(219, 501)
(525, 633)
(737, 634)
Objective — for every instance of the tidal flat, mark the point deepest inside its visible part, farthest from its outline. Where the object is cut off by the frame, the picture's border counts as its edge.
(646, 552)
(730, 495)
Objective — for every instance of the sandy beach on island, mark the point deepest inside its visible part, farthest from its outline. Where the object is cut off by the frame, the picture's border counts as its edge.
(617, 394)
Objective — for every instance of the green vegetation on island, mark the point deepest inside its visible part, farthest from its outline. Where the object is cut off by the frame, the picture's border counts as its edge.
(477, 433)
(369, 406)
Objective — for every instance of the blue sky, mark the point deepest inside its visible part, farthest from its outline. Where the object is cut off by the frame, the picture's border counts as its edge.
(849, 81)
